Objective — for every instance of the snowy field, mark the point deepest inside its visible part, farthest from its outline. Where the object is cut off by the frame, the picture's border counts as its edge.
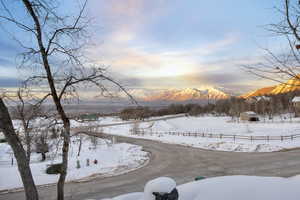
(112, 159)
(223, 188)
(216, 125)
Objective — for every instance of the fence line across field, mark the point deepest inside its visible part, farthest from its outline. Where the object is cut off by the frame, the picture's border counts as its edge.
(265, 122)
(222, 136)
(198, 134)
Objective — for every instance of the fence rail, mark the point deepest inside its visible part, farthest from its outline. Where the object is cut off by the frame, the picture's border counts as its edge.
(234, 137)
(223, 136)
(262, 121)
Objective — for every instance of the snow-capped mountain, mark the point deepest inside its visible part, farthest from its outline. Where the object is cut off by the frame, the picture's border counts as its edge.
(291, 85)
(259, 92)
(181, 94)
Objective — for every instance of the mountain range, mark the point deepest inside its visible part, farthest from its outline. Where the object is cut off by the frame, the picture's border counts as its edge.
(178, 95)
(213, 93)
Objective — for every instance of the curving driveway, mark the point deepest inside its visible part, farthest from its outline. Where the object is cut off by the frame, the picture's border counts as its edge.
(182, 164)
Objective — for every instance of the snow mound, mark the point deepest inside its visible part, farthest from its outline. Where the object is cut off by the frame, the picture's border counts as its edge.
(224, 131)
(160, 185)
(113, 159)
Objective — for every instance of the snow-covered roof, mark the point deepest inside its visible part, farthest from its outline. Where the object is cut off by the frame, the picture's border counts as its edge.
(250, 113)
(1, 136)
(296, 99)
(263, 98)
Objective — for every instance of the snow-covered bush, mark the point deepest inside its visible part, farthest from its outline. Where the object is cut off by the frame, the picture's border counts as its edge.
(160, 189)
(54, 169)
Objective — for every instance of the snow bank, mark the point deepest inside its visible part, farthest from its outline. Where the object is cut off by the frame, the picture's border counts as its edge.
(235, 188)
(112, 159)
(215, 125)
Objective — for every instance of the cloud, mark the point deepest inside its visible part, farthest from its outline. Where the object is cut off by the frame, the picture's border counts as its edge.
(151, 63)
(5, 62)
(162, 43)
(9, 82)
(8, 47)
(139, 61)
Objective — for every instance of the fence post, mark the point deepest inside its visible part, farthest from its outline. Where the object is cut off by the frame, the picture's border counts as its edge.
(281, 138)
(251, 137)
(268, 138)
(234, 138)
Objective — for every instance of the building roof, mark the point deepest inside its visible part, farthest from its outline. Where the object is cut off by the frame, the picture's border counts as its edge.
(250, 113)
(263, 98)
(296, 99)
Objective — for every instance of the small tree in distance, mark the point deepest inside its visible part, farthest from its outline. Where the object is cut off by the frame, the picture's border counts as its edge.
(26, 108)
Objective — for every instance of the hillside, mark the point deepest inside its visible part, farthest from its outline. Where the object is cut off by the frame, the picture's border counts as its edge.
(259, 92)
(291, 85)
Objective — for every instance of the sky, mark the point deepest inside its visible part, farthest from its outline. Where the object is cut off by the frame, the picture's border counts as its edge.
(161, 44)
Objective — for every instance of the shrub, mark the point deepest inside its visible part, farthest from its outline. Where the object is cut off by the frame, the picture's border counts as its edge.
(3, 140)
(78, 164)
(54, 133)
(54, 169)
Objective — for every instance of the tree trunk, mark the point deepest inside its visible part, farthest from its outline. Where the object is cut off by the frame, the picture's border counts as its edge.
(63, 174)
(79, 148)
(55, 97)
(28, 145)
(43, 156)
(23, 165)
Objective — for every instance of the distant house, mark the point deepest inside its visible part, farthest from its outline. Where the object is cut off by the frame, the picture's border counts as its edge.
(296, 101)
(251, 100)
(257, 99)
(249, 116)
(263, 98)
(296, 105)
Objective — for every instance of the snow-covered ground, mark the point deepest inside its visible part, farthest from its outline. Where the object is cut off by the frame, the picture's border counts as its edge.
(217, 125)
(225, 188)
(112, 159)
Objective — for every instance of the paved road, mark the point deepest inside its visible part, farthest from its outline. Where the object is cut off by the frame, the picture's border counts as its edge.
(182, 164)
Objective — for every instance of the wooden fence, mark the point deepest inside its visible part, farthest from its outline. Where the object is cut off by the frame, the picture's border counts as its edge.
(224, 136)
(198, 134)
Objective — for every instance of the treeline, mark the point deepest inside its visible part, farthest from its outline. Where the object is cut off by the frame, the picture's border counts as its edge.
(144, 112)
(265, 106)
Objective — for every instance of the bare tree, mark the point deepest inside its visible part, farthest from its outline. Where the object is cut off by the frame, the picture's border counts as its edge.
(57, 57)
(7, 128)
(135, 128)
(286, 65)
